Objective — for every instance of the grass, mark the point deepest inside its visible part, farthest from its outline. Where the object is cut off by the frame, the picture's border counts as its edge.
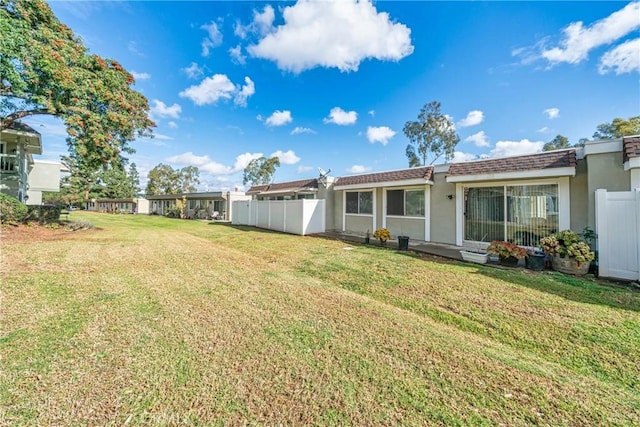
(147, 320)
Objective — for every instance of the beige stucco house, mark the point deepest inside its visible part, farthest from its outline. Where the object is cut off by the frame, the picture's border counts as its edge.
(520, 198)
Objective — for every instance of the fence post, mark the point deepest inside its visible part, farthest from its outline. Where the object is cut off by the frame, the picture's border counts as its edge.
(602, 242)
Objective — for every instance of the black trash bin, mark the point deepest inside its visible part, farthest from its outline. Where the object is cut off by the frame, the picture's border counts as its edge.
(403, 243)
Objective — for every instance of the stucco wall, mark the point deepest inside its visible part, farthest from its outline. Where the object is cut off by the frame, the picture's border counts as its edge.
(359, 224)
(337, 210)
(579, 191)
(604, 171)
(412, 227)
(443, 210)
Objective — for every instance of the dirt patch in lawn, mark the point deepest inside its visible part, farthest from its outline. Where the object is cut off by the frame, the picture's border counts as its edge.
(34, 233)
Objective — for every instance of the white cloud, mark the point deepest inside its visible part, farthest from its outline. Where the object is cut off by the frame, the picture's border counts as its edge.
(381, 134)
(473, 118)
(172, 124)
(340, 117)
(299, 129)
(236, 55)
(624, 58)
(516, 148)
(338, 34)
(459, 157)
(279, 118)
(543, 129)
(304, 169)
(162, 110)
(358, 169)
(213, 40)
(243, 160)
(216, 87)
(162, 136)
(140, 76)
(479, 139)
(205, 164)
(193, 71)
(579, 40)
(372, 113)
(552, 113)
(286, 157)
(133, 48)
(262, 23)
(245, 92)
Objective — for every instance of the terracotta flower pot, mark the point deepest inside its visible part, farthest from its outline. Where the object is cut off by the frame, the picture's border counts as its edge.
(569, 265)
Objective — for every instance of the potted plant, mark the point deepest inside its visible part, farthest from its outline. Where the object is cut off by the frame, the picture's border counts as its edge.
(383, 235)
(569, 253)
(479, 255)
(508, 253)
(535, 259)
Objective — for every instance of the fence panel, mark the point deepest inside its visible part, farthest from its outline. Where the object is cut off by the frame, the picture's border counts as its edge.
(618, 231)
(291, 216)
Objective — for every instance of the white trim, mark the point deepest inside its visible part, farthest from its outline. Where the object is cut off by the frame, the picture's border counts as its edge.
(344, 211)
(603, 146)
(384, 207)
(459, 214)
(632, 163)
(374, 213)
(427, 213)
(403, 183)
(502, 176)
(404, 217)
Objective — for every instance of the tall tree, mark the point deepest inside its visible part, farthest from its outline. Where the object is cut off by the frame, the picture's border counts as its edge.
(46, 69)
(163, 179)
(260, 171)
(557, 143)
(432, 134)
(618, 128)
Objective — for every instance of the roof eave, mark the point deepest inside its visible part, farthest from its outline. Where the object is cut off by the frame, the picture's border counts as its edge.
(501, 176)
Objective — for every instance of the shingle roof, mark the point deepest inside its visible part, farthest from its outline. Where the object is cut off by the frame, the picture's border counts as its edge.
(424, 172)
(631, 147)
(546, 160)
(284, 186)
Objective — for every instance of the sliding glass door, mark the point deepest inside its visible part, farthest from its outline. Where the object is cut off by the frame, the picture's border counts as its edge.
(522, 214)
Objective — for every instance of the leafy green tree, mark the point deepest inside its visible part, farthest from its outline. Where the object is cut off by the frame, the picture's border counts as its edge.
(618, 128)
(46, 69)
(557, 143)
(82, 182)
(260, 171)
(433, 133)
(163, 179)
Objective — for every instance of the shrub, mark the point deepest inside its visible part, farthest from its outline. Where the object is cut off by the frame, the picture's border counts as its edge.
(11, 209)
(382, 234)
(506, 249)
(43, 214)
(567, 243)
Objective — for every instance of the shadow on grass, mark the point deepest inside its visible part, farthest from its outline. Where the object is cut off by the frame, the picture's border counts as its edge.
(243, 227)
(587, 289)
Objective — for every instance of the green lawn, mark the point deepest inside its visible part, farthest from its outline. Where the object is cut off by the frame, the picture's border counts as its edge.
(148, 320)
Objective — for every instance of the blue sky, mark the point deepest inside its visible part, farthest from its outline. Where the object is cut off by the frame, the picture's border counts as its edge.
(331, 84)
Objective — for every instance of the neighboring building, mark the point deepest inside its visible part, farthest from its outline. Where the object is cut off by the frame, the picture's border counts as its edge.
(126, 205)
(205, 205)
(20, 175)
(43, 176)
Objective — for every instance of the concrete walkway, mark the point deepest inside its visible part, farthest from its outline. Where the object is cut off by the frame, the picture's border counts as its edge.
(439, 249)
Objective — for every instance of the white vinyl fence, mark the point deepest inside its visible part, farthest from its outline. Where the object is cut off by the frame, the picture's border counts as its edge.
(618, 231)
(289, 216)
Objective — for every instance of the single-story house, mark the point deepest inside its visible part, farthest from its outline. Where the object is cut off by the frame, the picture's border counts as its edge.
(21, 176)
(519, 198)
(204, 205)
(136, 205)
